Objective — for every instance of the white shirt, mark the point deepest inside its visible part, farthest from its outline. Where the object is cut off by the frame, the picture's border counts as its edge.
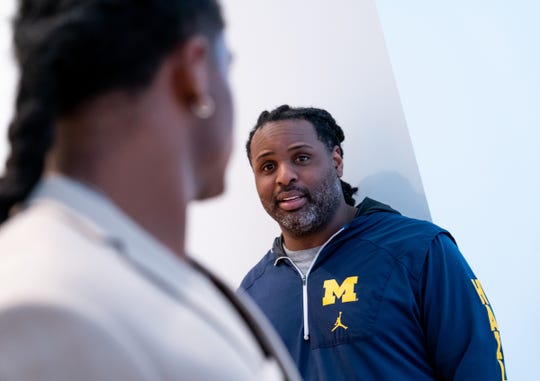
(87, 294)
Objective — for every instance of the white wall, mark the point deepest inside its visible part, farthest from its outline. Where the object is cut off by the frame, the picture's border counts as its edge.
(468, 76)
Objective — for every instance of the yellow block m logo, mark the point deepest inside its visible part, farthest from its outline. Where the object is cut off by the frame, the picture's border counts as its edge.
(345, 291)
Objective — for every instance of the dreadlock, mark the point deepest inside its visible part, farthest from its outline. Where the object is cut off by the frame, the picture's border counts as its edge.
(328, 132)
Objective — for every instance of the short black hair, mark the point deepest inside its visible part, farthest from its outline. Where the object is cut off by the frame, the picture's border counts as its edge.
(71, 51)
(328, 132)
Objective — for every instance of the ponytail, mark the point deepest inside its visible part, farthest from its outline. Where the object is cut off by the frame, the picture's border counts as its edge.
(348, 192)
(30, 136)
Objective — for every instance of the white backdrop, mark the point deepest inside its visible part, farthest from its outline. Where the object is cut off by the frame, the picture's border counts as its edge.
(467, 74)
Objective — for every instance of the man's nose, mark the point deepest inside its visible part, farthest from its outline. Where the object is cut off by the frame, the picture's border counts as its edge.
(286, 174)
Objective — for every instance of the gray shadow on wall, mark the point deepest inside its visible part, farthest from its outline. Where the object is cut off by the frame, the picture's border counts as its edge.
(395, 190)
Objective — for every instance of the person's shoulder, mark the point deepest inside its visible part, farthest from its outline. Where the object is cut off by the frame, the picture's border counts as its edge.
(41, 228)
(21, 229)
(256, 272)
(61, 339)
(407, 240)
(35, 251)
(45, 256)
(385, 224)
(406, 228)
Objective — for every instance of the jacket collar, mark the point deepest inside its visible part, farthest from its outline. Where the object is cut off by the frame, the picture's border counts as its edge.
(94, 215)
(367, 207)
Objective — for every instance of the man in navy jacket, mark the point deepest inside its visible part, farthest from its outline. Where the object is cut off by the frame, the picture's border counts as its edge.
(359, 293)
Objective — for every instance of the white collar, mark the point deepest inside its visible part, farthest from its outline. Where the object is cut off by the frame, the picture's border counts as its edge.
(96, 216)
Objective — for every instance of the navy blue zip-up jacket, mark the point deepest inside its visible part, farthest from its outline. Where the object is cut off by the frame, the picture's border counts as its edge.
(387, 298)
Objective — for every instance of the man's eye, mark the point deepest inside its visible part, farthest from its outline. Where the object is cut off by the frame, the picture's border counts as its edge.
(268, 167)
(302, 158)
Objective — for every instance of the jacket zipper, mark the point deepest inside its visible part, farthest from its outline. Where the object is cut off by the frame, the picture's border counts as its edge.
(304, 282)
(305, 307)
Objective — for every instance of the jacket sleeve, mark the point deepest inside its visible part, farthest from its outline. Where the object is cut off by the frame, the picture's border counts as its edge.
(462, 335)
(47, 342)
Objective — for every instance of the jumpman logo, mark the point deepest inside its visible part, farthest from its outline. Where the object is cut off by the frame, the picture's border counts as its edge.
(338, 323)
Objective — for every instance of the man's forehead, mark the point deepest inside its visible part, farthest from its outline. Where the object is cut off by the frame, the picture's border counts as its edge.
(286, 129)
(284, 136)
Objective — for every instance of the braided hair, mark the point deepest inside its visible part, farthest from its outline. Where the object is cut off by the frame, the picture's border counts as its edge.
(71, 51)
(328, 132)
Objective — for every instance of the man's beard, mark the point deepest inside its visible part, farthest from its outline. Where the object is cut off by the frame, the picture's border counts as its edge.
(322, 204)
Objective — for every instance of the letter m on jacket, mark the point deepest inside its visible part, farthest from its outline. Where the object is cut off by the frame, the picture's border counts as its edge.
(345, 291)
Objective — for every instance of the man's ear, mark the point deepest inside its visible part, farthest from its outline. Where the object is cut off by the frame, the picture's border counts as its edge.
(338, 161)
(191, 71)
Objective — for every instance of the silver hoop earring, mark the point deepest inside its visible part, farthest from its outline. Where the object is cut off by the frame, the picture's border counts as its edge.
(205, 108)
